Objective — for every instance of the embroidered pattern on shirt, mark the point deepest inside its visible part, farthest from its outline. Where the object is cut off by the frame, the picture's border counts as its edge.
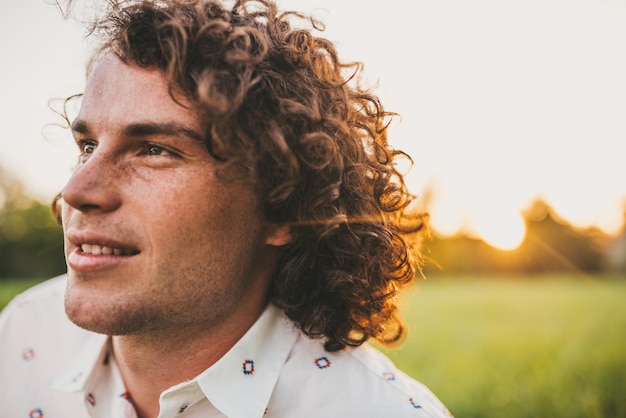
(248, 367)
(91, 399)
(126, 395)
(182, 408)
(415, 405)
(389, 376)
(28, 354)
(35, 413)
(322, 362)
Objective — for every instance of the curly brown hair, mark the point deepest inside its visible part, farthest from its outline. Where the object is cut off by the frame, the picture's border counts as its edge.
(294, 119)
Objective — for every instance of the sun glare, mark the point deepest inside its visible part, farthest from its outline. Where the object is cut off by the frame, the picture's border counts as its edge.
(502, 230)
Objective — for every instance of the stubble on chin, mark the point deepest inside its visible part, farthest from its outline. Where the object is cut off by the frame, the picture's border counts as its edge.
(104, 317)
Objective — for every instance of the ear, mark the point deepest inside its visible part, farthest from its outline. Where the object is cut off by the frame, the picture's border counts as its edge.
(278, 235)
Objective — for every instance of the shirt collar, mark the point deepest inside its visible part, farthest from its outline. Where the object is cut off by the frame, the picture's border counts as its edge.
(241, 383)
(84, 366)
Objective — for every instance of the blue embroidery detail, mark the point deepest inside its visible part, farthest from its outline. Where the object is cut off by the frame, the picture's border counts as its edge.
(248, 367)
(28, 354)
(36, 413)
(416, 406)
(322, 363)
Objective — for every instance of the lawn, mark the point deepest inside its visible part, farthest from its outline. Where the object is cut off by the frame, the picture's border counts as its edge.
(519, 348)
(512, 348)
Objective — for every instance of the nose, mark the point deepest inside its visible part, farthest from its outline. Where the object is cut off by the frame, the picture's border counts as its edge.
(94, 186)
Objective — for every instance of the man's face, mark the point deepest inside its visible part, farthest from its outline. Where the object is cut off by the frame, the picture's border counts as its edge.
(153, 239)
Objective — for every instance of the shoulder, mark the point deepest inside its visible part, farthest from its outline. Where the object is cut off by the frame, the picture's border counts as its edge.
(44, 299)
(353, 382)
(35, 330)
(37, 317)
(38, 341)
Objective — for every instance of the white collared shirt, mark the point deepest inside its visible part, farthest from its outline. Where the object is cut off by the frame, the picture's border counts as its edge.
(50, 368)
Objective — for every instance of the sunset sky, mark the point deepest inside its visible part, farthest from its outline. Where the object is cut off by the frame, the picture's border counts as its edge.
(502, 101)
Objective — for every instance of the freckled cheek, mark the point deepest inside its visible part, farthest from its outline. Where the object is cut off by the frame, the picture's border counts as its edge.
(191, 205)
(186, 203)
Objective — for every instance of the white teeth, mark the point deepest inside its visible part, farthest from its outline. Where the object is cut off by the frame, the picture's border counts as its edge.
(96, 249)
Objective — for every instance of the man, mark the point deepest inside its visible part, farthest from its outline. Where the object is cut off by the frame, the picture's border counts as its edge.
(235, 230)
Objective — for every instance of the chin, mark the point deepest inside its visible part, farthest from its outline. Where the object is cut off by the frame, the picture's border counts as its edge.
(89, 324)
(88, 316)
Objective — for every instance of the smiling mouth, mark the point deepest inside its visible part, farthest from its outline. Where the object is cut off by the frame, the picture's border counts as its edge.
(95, 249)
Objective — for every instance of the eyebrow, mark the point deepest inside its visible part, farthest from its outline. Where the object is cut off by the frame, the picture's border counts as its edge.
(146, 129)
(80, 126)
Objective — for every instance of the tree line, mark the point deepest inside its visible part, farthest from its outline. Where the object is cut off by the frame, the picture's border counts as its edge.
(551, 245)
(31, 240)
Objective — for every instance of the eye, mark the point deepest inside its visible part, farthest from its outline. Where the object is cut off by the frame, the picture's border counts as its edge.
(88, 148)
(158, 151)
(154, 150)
(85, 148)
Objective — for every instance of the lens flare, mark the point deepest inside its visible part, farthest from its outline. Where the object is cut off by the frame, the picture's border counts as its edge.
(504, 230)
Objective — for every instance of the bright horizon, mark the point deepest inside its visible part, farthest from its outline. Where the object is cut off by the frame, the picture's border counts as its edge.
(502, 102)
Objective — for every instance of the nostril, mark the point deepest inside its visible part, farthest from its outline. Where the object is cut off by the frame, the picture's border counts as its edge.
(88, 190)
(88, 207)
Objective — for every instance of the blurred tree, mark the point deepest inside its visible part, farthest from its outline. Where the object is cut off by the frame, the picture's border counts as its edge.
(31, 241)
(615, 259)
(554, 245)
(551, 245)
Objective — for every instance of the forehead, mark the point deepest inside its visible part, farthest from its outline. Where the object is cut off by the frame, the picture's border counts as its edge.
(124, 93)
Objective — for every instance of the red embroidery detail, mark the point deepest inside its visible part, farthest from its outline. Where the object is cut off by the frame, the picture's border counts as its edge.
(248, 367)
(322, 362)
(35, 413)
(28, 354)
(416, 406)
(389, 376)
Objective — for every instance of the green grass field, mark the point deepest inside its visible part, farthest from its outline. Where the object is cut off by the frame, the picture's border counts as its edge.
(520, 348)
(512, 348)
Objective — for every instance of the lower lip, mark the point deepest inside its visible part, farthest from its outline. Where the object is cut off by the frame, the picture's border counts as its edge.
(83, 263)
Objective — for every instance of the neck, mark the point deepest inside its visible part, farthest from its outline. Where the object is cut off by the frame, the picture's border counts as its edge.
(152, 363)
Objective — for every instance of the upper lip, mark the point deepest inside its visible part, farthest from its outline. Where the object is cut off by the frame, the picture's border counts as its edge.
(78, 239)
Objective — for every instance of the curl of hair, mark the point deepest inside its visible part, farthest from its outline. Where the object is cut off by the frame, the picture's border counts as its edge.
(283, 109)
